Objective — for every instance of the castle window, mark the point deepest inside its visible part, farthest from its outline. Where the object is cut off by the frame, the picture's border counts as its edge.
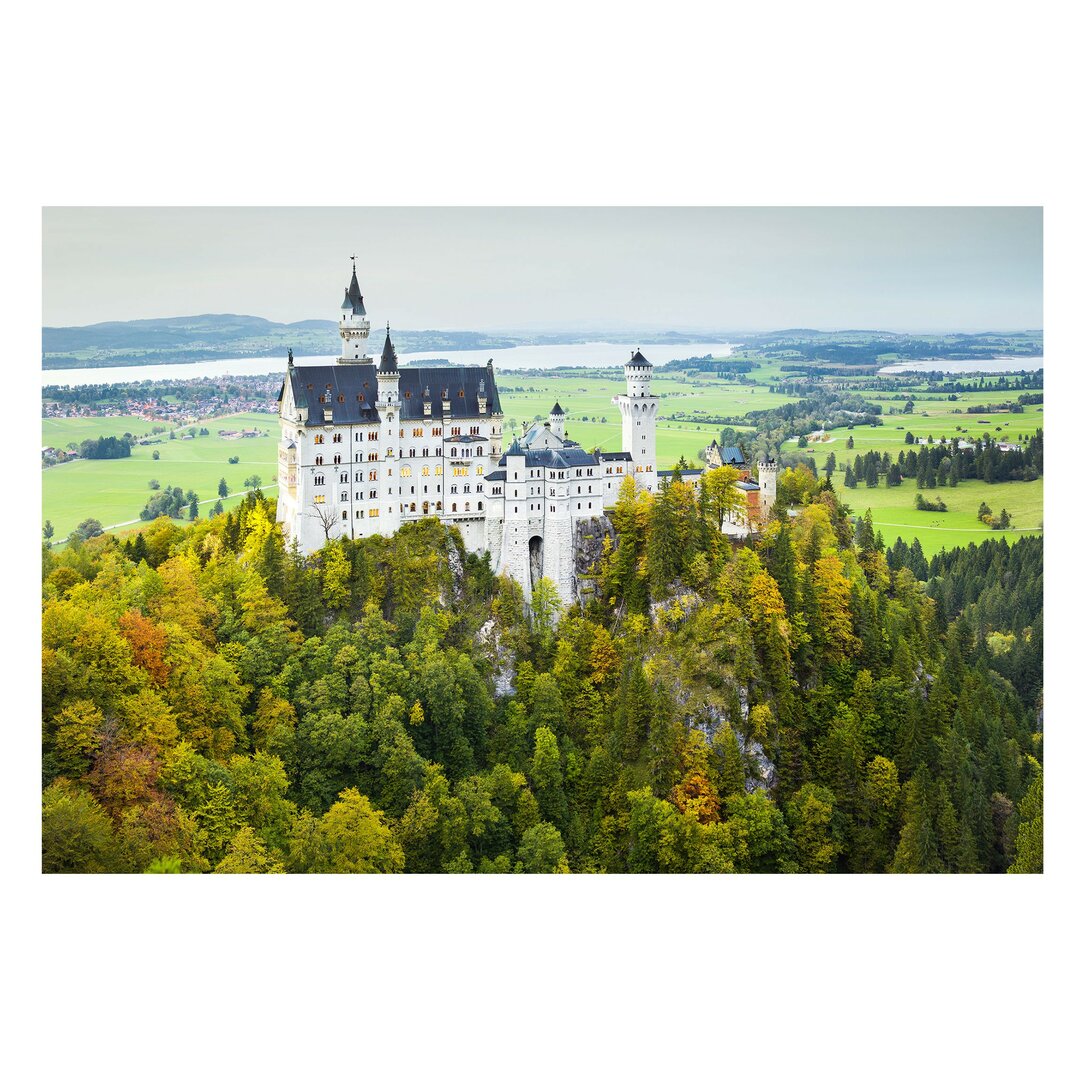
(344, 478)
(461, 393)
(359, 513)
(466, 505)
(373, 513)
(337, 459)
(344, 496)
(318, 459)
(425, 471)
(453, 508)
(373, 475)
(320, 480)
(319, 500)
(318, 440)
(341, 399)
(359, 397)
(408, 393)
(337, 436)
(412, 451)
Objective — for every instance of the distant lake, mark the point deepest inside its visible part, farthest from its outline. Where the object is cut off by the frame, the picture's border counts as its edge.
(595, 354)
(995, 365)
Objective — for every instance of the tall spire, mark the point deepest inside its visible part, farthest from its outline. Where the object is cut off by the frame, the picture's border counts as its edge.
(353, 296)
(389, 357)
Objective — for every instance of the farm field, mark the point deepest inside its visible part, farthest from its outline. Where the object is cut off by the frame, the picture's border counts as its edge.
(114, 491)
(895, 515)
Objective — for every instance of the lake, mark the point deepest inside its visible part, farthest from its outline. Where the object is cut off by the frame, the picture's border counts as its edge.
(595, 354)
(994, 365)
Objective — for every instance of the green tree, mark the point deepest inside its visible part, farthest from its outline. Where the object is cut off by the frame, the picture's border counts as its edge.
(1029, 836)
(542, 850)
(76, 834)
(222, 488)
(353, 838)
(247, 854)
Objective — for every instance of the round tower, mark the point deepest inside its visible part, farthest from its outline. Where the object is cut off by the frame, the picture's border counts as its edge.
(638, 408)
(767, 471)
(389, 440)
(557, 420)
(353, 325)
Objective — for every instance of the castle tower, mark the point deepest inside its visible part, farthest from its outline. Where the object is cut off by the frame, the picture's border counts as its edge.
(638, 407)
(353, 325)
(389, 440)
(557, 420)
(767, 471)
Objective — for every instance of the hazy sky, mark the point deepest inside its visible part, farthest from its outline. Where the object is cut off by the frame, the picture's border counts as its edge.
(470, 268)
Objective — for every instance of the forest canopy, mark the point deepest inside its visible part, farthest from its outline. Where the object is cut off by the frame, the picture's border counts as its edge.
(805, 702)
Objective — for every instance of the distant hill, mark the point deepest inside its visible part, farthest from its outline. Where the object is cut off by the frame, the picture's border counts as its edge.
(189, 338)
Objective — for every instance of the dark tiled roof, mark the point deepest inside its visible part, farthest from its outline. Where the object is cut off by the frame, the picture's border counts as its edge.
(498, 474)
(353, 298)
(348, 381)
(747, 485)
(620, 455)
(639, 361)
(552, 458)
(389, 357)
(681, 472)
(731, 455)
(557, 411)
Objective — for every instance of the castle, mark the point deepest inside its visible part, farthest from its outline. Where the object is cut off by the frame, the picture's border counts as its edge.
(365, 447)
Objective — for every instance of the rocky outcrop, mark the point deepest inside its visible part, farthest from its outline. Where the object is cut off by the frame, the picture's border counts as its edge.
(502, 658)
(589, 535)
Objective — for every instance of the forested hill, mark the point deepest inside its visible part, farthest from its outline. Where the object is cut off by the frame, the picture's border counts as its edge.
(214, 702)
(190, 338)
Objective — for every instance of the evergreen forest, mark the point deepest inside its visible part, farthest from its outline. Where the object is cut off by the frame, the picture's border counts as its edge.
(805, 702)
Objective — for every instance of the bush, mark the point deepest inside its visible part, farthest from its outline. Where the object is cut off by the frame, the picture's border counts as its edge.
(234, 461)
(937, 506)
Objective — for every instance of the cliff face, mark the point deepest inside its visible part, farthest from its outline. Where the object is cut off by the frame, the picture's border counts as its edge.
(589, 534)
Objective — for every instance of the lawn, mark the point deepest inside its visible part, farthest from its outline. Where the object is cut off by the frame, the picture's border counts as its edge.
(114, 491)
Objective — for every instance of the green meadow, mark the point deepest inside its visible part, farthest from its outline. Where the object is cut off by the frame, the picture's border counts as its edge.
(114, 491)
(894, 512)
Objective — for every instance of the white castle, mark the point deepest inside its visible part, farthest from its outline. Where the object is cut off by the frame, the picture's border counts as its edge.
(366, 447)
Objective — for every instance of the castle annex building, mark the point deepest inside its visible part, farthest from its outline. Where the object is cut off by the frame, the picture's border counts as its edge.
(367, 445)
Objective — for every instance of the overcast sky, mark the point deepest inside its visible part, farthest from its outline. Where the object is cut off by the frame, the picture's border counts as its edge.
(679, 268)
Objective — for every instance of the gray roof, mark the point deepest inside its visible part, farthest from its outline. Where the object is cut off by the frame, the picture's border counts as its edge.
(389, 357)
(681, 472)
(566, 458)
(731, 455)
(455, 385)
(498, 474)
(638, 361)
(353, 299)
(616, 455)
(557, 411)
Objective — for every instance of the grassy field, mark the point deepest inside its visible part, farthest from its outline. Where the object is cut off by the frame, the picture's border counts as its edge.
(114, 491)
(895, 515)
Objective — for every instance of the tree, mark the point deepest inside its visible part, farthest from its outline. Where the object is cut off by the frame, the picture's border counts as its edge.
(156, 455)
(253, 481)
(47, 531)
(76, 834)
(542, 851)
(222, 488)
(719, 494)
(353, 838)
(193, 507)
(247, 854)
(1029, 837)
(850, 444)
(810, 819)
(88, 529)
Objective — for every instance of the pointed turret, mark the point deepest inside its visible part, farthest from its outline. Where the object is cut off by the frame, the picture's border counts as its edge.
(389, 356)
(353, 324)
(353, 297)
